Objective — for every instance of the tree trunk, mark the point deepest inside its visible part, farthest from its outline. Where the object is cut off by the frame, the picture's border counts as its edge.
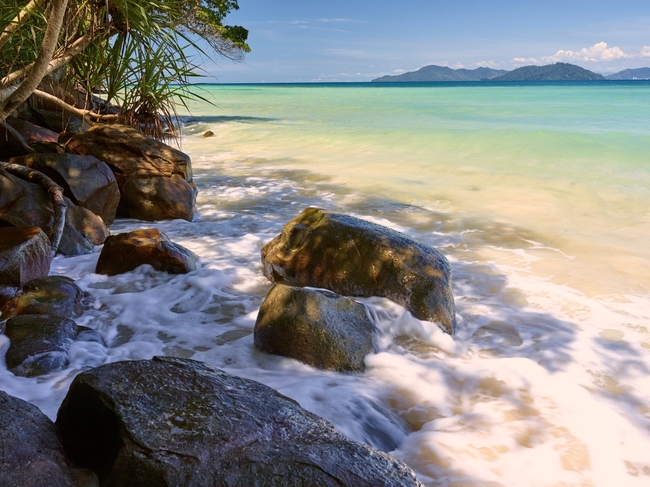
(31, 82)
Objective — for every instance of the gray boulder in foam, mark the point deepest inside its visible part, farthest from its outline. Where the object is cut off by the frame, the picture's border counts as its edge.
(178, 422)
(354, 257)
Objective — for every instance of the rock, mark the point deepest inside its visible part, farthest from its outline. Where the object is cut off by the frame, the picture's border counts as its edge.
(155, 198)
(24, 255)
(32, 454)
(10, 145)
(171, 421)
(58, 121)
(53, 295)
(127, 251)
(354, 257)
(24, 204)
(155, 179)
(208, 133)
(39, 344)
(85, 180)
(32, 133)
(316, 327)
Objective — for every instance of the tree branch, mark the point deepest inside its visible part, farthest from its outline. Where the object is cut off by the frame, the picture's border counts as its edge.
(69, 108)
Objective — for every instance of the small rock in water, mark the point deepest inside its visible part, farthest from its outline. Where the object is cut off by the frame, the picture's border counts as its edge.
(127, 251)
(316, 327)
(209, 133)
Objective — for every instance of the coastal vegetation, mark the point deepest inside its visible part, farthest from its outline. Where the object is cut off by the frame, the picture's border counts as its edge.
(133, 53)
(551, 72)
(444, 73)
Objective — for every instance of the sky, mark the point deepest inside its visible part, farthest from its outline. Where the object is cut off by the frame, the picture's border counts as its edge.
(359, 40)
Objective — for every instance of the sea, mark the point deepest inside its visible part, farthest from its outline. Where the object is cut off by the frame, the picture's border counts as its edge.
(537, 193)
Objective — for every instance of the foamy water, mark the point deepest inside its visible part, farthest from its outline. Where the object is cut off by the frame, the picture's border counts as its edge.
(538, 195)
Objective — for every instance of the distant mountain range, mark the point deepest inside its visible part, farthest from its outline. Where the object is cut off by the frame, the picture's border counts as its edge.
(443, 73)
(551, 72)
(639, 73)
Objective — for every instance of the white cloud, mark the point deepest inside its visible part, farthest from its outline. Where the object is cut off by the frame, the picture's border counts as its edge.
(486, 64)
(645, 51)
(599, 53)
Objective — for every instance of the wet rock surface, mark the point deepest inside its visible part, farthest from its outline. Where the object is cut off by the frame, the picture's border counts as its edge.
(127, 251)
(354, 257)
(24, 255)
(316, 327)
(155, 180)
(52, 295)
(32, 454)
(172, 421)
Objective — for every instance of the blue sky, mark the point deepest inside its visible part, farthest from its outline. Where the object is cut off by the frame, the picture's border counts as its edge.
(358, 40)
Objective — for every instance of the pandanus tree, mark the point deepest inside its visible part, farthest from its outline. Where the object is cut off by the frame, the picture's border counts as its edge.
(132, 51)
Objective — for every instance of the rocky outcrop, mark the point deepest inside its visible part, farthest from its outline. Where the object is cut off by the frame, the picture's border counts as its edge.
(127, 251)
(24, 255)
(155, 180)
(354, 257)
(86, 181)
(172, 421)
(23, 204)
(316, 327)
(32, 133)
(32, 454)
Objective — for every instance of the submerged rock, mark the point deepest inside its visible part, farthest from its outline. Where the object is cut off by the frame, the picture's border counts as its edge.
(24, 255)
(39, 344)
(127, 251)
(51, 295)
(171, 421)
(315, 326)
(32, 454)
(354, 257)
(155, 180)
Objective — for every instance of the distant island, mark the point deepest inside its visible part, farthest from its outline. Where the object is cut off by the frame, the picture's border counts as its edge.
(638, 73)
(443, 73)
(551, 72)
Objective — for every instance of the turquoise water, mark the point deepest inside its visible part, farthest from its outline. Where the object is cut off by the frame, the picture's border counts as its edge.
(538, 194)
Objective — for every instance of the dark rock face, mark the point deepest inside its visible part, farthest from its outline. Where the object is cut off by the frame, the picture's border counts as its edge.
(126, 251)
(179, 422)
(38, 344)
(23, 204)
(52, 295)
(316, 327)
(32, 454)
(356, 258)
(32, 133)
(24, 255)
(155, 179)
(86, 180)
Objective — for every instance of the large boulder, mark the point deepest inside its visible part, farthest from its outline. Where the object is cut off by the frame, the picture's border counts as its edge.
(354, 257)
(85, 180)
(315, 326)
(170, 421)
(32, 454)
(24, 204)
(24, 255)
(39, 344)
(155, 180)
(126, 251)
